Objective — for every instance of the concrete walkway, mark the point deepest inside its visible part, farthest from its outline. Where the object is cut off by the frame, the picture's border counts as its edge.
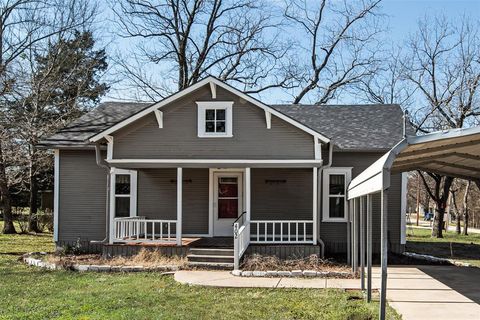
(423, 292)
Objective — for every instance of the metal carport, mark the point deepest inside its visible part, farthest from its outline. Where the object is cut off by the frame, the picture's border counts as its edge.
(454, 153)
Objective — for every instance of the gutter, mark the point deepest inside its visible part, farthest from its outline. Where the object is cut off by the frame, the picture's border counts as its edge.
(103, 164)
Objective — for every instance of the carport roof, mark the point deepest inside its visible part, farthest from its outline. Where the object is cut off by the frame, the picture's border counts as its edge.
(454, 153)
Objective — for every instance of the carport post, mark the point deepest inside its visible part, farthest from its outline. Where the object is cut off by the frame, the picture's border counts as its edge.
(369, 247)
(349, 244)
(362, 242)
(384, 239)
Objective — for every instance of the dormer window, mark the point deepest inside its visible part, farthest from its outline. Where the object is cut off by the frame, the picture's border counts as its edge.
(215, 119)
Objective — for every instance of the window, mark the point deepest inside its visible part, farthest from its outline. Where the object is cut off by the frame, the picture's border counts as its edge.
(124, 193)
(214, 119)
(335, 182)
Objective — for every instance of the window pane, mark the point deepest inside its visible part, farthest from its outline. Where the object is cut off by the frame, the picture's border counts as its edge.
(227, 190)
(337, 207)
(122, 206)
(220, 126)
(227, 208)
(210, 114)
(337, 184)
(210, 126)
(122, 184)
(220, 114)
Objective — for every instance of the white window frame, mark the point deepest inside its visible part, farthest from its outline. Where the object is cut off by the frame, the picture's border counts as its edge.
(133, 191)
(347, 172)
(216, 105)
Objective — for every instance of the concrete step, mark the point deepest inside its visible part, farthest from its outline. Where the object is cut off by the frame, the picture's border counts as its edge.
(212, 265)
(205, 258)
(211, 251)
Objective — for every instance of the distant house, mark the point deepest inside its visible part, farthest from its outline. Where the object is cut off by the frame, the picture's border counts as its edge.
(212, 166)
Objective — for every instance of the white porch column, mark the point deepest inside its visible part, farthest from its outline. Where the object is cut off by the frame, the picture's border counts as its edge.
(248, 197)
(179, 206)
(315, 205)
(111, 206)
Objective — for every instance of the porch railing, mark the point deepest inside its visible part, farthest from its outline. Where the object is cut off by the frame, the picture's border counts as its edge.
(281, 231)
(140, 229)
(241, 239)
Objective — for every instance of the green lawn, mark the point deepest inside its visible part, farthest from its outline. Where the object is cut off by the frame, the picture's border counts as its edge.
(458, 247)
(32, 293)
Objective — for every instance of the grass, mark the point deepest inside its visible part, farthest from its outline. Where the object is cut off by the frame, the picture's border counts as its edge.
(452, 245)
(32, 293)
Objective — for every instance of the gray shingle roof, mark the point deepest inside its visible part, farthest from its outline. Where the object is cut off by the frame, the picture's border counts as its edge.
(357, 127)
(350, 127)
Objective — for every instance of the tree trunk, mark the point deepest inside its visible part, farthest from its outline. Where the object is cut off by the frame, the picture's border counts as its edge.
(437, 228)
(457, 213)
(465, 209)
(33, 219)
(8, 227)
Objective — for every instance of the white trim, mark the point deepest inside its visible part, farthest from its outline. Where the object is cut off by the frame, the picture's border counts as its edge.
(403, 209)
(196, 86)
(248, 188)
(109, 147)
(268, 119)
(347, 171)
(314, 205)
(133, 196)
(213, 89)
(213, 161)
(210, 202)
(56, 193)
(178, 225)
(216, 105)
(159, 116)
(317, 148)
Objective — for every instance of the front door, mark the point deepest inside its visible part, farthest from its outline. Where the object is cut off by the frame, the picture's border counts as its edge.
(227, 202)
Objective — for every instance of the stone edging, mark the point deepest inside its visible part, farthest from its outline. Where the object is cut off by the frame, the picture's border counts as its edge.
(436, 259)
(31, 261)
(293, 274)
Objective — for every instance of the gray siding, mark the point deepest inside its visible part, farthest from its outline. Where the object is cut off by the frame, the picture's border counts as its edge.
(334, 234)
(178, 137)
(289, 200)
(82, 199)
(157, 197)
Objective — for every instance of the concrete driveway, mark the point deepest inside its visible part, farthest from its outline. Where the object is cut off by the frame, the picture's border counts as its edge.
(435, 292)
(416, 292)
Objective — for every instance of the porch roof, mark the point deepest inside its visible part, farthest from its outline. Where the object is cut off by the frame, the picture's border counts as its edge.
(213, 163)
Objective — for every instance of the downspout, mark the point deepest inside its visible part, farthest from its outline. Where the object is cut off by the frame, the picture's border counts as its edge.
(328, 165)
(103, 164)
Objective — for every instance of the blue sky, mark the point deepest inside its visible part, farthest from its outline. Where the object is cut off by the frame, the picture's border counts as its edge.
(402, 17)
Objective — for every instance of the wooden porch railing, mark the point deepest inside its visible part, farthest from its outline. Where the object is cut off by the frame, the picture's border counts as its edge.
(241, 239)
(140, 229)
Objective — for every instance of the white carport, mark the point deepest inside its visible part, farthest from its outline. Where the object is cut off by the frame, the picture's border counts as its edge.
(454, 153)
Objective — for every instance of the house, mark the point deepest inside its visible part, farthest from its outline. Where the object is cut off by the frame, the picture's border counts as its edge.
(213, 166)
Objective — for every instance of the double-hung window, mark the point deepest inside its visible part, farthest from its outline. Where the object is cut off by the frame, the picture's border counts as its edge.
(124, 193)
(215, 119)
(335, 183)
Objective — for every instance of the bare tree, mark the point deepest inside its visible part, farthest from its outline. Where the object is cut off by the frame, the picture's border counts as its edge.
(25, 24)
(234, 40)
(465, 208)
(338, 45)
(444, 66)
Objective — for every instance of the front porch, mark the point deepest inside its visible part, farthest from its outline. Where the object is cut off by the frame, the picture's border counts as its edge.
(272, 206)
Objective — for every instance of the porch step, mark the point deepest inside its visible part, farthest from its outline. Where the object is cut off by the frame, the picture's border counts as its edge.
(205, 258)
(213, 265)
(211, 251)
(211, 257)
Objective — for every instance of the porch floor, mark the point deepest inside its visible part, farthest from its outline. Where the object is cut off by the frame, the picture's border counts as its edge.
(216, 242)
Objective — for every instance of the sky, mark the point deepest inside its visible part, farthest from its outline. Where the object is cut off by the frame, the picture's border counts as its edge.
(402, 17)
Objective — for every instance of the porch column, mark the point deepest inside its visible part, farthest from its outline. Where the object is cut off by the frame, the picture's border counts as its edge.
(179, 206)
(247, 194)
(315, 205)
(369, 247)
